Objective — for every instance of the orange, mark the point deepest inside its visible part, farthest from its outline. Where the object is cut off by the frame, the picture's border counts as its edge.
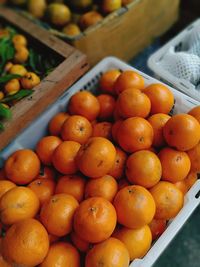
(143, 168)
(95, 220)
(53, 238)
(2, 174)
(129, 79)
(191, 179)
(22, 166)
(116, 115)
(17, 204)
(109, 6)
(56, 123)
(61, 254)
(73, 185)
(90, 18)
(43, 188)
(30, 80)
(123, 183)
(115, 128)
(76, 128)
(46, 173)
(168, 198)
(175, 164)
(182, 186)
(102, 129)
(133, 103)
(111, 252)
(57, 214)
(105, 186)
(45, 148)
(85, 104)
(194, 155)
(182, 131)
(5, 186)
(137, 241)
(108, 80)
(195, 112)
(107, 106)
(162, 99)
(118, 168)
(158, 121)
(135, 206)
(23, 240)
(19, 39)
(135, 134)
(64, 157)
(96, 157)
(157, 227)
(79, 243)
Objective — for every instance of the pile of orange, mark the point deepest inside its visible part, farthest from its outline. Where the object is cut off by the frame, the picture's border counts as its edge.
(105, 181)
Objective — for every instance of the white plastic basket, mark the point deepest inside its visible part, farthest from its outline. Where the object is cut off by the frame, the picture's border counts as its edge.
(178, 43)
(38, 128)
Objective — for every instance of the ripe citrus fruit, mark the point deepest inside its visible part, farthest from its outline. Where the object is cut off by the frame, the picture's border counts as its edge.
(182, 131)
(96, 157)
(5, 186)
(23, 240)
(57, 214)
(168, 198)
(195, 112)
(157, 227)
(108, 80)
(102, 129)
(79, 243)
(56, 123)
(107, 106)
(95, 219)
(135, 206)
(143, 168)
(118, 168)
(194, 155)
(22, 166)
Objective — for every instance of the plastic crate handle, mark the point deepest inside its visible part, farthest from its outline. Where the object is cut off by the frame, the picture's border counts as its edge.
(192, 200)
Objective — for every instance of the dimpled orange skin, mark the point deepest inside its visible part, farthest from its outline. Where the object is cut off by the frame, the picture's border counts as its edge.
(17, 204)
(112, 253)
(56, 123)
(95, 220)
(57, 214)
(175, 164)
(137, 241)
(61, 254)
(26, 243)
(135, 134)
(108, 80)
(107, 106)
(85, 104)
(135, 206)
(194, 155)
(143, 168)
(22, 166)
(133, 103)
(118, 168)
(96, 157)
(168, 198)
(127, 80)
(76, 128)
(182, 131)
(64, 157)
(102, 129)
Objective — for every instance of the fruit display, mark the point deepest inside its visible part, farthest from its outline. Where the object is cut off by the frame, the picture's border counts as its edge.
(70, 17)
(21, 69)
(101, 186)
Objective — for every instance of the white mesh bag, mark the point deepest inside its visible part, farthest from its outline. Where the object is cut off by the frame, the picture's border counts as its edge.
(182, 65)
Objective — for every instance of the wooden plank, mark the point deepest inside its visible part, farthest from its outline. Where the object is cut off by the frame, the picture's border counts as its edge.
(74, 65)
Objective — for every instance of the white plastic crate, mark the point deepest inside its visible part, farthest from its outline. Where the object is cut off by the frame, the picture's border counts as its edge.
(178, 43)
(38, 128)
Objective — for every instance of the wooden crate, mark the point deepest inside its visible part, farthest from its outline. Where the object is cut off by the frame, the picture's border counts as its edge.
(129, 31)
(74, 65)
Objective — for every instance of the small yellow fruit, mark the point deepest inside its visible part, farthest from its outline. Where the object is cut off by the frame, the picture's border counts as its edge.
(19, 39)
(72, 29)
(111, 5)
(22, 54)
(18, 69)
(8, 66)
(58, 14)
(37, 7)
(5, 105)
(90, 18)
(12, 87)
(30, 80)
(1, 95)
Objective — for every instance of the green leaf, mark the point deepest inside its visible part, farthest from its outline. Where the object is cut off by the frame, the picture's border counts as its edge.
(7, 78)
(5, 112)
(19, 95)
